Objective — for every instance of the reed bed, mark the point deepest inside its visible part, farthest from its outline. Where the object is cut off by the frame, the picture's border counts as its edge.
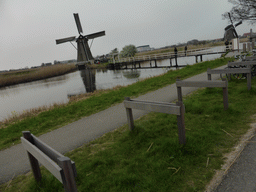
(7, 79)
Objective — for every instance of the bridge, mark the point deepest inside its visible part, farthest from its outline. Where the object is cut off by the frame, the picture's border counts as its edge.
(135, 62)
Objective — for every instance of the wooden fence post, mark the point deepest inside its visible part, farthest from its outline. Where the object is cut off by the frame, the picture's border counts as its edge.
(225, 95)
(181, 123)
(129, 116)
(209, 75)
(33, 161)
(68, 176)
(249, 81)
(179, 92)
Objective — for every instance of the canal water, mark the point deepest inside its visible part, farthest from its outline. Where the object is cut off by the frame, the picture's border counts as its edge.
(22, 97)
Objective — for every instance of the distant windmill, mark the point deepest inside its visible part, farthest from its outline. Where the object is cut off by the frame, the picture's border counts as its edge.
(83, 49)
(230, 31)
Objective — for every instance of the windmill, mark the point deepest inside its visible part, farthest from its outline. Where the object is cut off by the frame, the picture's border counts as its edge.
(230, 31)
(83, 50)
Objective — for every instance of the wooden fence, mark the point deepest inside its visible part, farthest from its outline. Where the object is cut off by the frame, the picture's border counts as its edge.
(169, 108)
(60, 166)
(229, 71)
(223, 84)
(242, 63)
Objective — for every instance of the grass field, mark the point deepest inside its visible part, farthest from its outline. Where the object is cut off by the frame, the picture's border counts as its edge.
(150, 158)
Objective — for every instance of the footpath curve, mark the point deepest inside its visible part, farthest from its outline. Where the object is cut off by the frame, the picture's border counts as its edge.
(14, 160)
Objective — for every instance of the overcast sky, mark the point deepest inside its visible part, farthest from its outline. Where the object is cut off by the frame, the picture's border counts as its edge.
(28, 28)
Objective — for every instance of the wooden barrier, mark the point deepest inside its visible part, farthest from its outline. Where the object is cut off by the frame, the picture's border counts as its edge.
(242, 63)
(169, 108)
(60, 166)
(223, 84)
(232, 71)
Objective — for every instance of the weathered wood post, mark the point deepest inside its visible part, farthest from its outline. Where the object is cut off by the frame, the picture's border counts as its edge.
(209, 75)
(176, 61)
(179, 92)
(249, 81)
(201, 58)
(170, 62)
(244, 47)
(67, 174)
(225, 95)
(181, 123)
(155, 63)
(129, 116)
(33, 161)
(196, 59)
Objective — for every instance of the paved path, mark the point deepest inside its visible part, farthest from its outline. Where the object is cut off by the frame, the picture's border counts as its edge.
(241, 176)
(14, 160)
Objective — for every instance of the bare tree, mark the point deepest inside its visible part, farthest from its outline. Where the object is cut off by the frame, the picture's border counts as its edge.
(128, 51)
(242, 10)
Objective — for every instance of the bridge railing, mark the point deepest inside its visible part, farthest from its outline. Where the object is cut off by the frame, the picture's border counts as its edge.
(158, 56)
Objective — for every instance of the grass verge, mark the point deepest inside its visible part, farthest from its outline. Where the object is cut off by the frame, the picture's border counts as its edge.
(150, 159)
(64, 114)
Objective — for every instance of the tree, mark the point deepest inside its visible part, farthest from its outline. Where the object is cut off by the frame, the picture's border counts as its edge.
(128, 51)
(114, 53)
(243, 10)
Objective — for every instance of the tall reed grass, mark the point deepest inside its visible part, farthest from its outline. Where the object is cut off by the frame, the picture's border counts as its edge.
(7, 79)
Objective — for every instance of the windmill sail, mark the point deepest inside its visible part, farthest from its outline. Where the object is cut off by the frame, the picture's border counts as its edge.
(78, 24)
(95, 35)
(64, 40)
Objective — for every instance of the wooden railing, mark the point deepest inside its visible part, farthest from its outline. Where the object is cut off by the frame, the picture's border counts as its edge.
(229, 71)
(159, 56)
(60, 166)
(223, 84)
(169, 108)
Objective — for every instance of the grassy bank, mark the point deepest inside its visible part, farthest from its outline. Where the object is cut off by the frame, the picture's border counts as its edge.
(64, 114)
(24, 76)
(150, 159)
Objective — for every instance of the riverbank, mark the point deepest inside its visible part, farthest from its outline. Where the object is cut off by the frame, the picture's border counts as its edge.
(151, 158)
(24, 76)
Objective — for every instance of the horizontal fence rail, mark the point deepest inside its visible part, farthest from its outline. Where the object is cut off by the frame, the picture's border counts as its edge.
(242, 63)
(169, 108)
(60, 166)
(222, 84)
(161, 107)
(201, 83)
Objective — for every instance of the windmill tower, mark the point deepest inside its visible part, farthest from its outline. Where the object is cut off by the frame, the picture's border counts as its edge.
(83, 50)
(231, 34)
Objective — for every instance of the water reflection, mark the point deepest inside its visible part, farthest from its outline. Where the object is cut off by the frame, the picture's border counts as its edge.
(88, 77)
(133, 74)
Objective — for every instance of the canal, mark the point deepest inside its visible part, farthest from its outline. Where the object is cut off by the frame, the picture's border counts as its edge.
(19, 98)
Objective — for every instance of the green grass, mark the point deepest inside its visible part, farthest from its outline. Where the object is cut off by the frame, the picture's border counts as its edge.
(150, 158)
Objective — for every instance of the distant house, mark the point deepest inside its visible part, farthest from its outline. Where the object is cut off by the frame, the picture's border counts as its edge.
(143, 48)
